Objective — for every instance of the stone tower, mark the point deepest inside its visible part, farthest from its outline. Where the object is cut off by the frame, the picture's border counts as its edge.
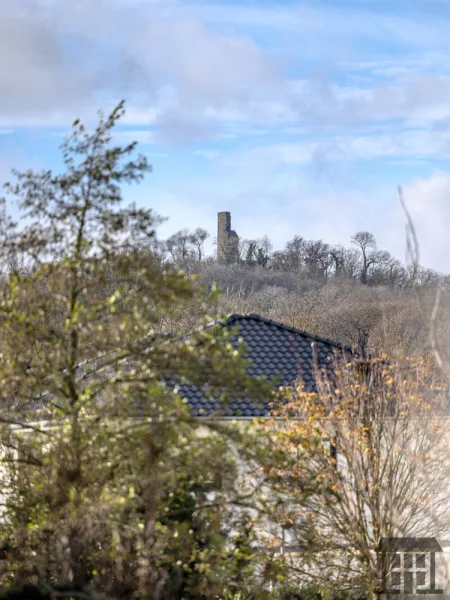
(227, 240)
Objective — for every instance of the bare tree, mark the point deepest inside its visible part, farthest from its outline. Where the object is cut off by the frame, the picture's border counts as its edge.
(373, 439)
(198, 238)
(337, 257)
(345, 262)
(350, 315)
(365, 241)
(292, 257)
(316, 258)
(179, 248)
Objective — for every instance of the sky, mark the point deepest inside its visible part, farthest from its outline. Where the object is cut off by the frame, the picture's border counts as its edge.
(297, 117)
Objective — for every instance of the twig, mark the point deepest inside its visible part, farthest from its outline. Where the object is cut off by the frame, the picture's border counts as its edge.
(433, 332)
(412, 244)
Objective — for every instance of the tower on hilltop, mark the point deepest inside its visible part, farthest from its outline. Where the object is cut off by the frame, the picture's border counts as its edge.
(227, 240)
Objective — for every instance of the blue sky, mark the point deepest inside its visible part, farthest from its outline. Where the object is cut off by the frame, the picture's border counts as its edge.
(298, 117)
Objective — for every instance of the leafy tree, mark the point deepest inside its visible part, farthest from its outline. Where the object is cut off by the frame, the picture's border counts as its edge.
(265, 248)
(257, 252)
(261, 258)
(110, 494)
(250, 256)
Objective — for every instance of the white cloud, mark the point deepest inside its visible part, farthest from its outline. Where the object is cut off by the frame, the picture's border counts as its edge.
(41, 78)
(347, 148)
(188, 69)
(58, 57)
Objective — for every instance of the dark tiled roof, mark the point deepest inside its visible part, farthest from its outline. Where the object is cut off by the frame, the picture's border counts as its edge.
(275, 350)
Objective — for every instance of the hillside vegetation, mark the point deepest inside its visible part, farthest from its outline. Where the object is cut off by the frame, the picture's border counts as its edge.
(357, 294)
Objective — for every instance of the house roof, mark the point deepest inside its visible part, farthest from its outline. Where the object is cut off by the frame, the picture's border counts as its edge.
(275, 350)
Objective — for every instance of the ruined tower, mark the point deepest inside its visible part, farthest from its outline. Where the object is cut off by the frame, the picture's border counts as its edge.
(227, 240)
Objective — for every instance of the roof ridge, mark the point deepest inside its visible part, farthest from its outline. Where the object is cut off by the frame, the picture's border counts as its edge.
(317, 338)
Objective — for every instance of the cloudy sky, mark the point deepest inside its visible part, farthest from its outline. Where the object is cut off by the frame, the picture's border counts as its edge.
(298, 117)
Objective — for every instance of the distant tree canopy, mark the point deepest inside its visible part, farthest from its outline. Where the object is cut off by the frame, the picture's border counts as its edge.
(356, 294)
(313, 259)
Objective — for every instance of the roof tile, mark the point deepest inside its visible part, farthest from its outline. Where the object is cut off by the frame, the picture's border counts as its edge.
(274, 349)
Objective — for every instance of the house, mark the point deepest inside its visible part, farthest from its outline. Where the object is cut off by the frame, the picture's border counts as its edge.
(276, 351)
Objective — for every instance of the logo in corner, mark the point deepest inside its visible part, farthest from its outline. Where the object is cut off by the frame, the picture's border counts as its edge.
(409, 565)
